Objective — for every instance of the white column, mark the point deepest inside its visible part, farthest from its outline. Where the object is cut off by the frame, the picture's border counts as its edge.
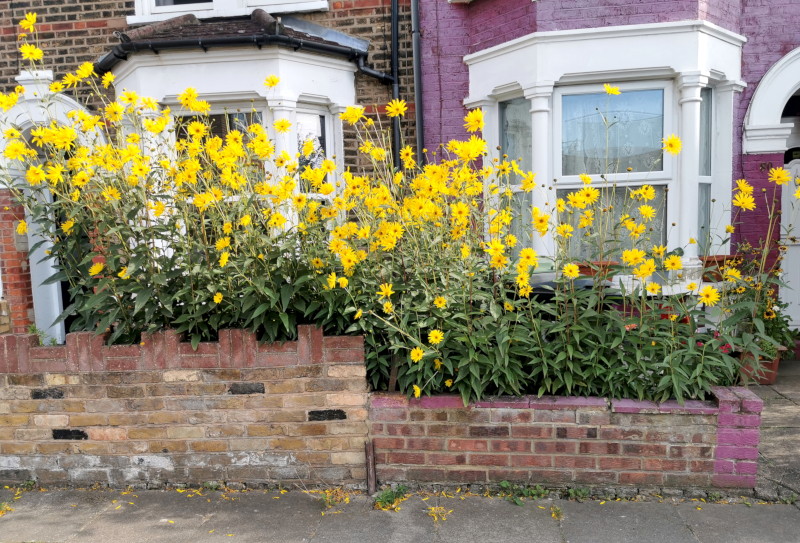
(722, 158)
(687, 186)
(541, 99)
(283, 108)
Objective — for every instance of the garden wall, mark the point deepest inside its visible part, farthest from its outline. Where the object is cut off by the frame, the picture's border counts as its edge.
(560, 441)
(236, 411)
(161, 412)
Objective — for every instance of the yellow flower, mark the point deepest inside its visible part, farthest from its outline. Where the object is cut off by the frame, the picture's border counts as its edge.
(709, 295)
(659, 250)
(743, 186)
(22, 228)
(645, 270)
(271, 81)
(110, 193)
(732, 275)
(67, 226)
(218, 297)
(31, 52)
(35, 175)
(435, 337)
(396, 108)
(508, 306)
(473, 121)
(123, 273)
(388, 308)
(730, 229)
(331, 280)
(571, 271)
(564, 230)
(633, 257)
(352, 114)
(417, 354)
(343, 282)
(691, 286)
(85, 70)
(779, 176)
(282, 126)
(653, 288)
(585, 179)
(107, 79)
(647, 212)
(692, 241)
(417, 391)
(358, 315)
(223, 259)
(385, 290)
(28, 22)
(223, 243)
(611, 90)
(440, 302)
(744, 201)
(96, 268)
(673, 262)
(672, 144)
(448, 383)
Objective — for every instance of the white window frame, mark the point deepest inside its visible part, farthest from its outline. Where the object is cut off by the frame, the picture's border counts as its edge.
(655, 177)
(146, 11)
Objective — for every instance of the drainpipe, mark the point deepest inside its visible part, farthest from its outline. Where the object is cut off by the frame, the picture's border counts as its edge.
(416, 56)
(395, 69)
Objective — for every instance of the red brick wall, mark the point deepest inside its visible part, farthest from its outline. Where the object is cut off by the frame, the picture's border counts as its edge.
(558, 441)
(14, 266)
(161, 412)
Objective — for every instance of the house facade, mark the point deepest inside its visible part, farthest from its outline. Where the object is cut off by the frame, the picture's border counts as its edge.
(328, 55)
(722, 74)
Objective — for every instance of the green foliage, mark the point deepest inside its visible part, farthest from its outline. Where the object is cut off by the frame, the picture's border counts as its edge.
(390, 498)
(517, 494)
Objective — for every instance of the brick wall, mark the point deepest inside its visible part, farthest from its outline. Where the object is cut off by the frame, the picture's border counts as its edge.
(559, 441)
(14, 266)
(752, 226)
(161, 412)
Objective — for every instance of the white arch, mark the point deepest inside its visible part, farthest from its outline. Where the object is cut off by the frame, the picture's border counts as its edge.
(39, 106)
(763, 130)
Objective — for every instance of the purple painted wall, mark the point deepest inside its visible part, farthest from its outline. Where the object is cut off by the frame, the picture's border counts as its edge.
(450, 31)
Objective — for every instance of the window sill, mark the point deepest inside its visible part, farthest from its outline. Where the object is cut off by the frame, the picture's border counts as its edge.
(274, 8)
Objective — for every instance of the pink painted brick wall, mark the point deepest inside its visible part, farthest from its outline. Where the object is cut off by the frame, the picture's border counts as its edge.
(560, 440)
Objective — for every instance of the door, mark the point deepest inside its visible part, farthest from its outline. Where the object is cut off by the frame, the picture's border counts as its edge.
(790, 230)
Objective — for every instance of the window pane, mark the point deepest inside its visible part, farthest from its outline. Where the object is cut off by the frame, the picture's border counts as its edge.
(705, 131)
(311, 127)
(704, 219)
(515, 131)
(521, 224)
(160, 3)
(608, 134)
(617, 199)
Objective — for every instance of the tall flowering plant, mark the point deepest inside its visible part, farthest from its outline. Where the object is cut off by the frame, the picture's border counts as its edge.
(156, 222)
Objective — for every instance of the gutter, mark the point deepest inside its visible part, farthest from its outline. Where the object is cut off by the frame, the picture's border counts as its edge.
(121, 51)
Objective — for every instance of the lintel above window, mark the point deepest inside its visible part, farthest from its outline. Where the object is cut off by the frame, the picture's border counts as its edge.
(155, 10)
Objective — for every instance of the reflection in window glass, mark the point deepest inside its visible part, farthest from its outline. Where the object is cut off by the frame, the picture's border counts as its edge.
(311, 127)
(521, 223)
(704, 219)
(515, 131)
(706, 106)
(618, 200)
(608, 134)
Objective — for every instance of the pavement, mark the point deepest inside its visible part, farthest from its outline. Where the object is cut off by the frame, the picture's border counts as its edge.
(295, 516)
(779, 451)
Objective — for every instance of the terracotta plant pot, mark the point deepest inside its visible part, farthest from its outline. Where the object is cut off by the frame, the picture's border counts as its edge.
(712, 266)
(598, 268)
(769, 368)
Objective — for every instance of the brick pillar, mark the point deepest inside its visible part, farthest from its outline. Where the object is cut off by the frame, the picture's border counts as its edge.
(738, 435)
(14, 264)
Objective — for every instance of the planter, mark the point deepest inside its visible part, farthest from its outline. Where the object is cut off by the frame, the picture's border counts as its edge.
(597, 268)
(768, 373)
(712, 266)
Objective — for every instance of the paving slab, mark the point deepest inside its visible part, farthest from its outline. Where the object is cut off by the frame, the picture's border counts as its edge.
(358, 521)
(480, 519)
(51, 516)
(623, 522)
(741, 524)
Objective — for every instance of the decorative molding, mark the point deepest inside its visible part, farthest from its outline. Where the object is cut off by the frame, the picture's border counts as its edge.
(760, 139)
